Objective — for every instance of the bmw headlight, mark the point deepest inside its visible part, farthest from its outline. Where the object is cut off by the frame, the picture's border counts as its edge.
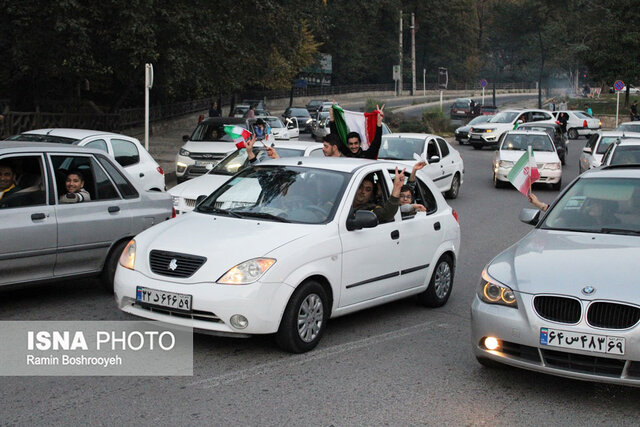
(247, 272)
(128, 256)
(184, 152)
(505, 164)
(493, 292)
(552, 166)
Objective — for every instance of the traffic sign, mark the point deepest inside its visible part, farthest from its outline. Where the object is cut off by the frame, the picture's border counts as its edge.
(618, 85)
(483, 83)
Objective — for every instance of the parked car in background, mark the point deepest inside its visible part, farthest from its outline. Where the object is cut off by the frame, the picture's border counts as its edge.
(555, 133)
(580, 123)
(314, 105)
(462, 108)
(278, 129)
(240, 110)
(44, 239)
(444, 163)
(261, 113)
(488, 110)
(462, 133)
(563, 300)
(127, 151)
(185, 195)
(591, 156)
(320, 125)
(207, 145)
(488, 134)
(302, 115)
(513, 145)
(279, 250)
(629, 127)
(625, 151)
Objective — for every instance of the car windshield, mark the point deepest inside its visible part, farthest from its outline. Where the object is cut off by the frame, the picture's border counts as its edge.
(241, 110)
(315, 103)
(504, 117)
(598, 205)
(628, 127)
(605, 142)
(395, 148)
(279, 193)
(461, 105)
(478, 120)
(274, 122)
(299, 112)
(239, 160)
(520, 142)
(211, 132)
(31, 137)
(626, 155)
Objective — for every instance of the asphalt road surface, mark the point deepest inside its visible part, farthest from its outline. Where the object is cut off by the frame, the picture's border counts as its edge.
(397, 364)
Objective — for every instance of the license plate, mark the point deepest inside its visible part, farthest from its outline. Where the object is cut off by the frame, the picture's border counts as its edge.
(163, 299)
(578, 341)
(202, 163)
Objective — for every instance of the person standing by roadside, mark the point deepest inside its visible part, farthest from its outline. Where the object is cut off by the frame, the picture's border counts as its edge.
(562, 121)
(213, 110)
(634, 110)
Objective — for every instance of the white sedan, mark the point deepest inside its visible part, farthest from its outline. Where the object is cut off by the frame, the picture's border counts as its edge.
(279, 249)
(186, 194)
(444, 163)
(280, 130)
(580, 123)
(514, 144)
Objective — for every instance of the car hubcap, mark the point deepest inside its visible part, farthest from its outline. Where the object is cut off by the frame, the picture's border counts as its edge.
(442, 281)
(310, 318)
(454, 186)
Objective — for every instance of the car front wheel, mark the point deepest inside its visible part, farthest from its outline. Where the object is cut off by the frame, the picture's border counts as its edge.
(304, 319)
(573, 134)
(439, 289)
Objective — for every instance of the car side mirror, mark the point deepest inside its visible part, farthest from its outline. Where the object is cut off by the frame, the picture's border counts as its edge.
(530, 216)
(362, 219)
(586, 150)
(434, 159)
(200, 199)
(185, 138)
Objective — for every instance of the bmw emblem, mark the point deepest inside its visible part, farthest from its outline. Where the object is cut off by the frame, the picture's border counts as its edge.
(174, 264)
(588, 290)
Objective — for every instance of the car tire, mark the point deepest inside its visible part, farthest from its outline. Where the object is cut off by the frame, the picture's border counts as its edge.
(488, 363)
(304, 319)
(563, 159)
(557, 185)
(110, 265)
(453, 192)
(440, 285)
(573, 134)
(477, 147)
(496, 182)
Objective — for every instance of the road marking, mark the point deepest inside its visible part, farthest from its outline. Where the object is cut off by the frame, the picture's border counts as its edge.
(300, 359)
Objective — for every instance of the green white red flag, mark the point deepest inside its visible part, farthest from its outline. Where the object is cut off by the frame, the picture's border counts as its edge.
(353, 121)
(238, 134)
(524, 172)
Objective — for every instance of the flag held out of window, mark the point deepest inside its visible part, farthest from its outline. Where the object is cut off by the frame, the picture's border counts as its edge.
(524, 172)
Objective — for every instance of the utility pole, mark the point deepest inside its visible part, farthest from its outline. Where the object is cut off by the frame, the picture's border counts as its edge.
(413, 54)
(400, 81)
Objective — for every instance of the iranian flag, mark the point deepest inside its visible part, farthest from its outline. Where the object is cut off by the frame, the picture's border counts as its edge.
(524, 172)
(353, 121)
(238, 134)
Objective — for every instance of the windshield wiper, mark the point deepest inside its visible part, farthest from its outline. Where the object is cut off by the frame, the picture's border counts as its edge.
(218, 210)
(263, 215)
(619, 231)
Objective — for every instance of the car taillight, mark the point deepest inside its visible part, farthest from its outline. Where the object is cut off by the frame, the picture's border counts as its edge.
(173, 212)
(585, 124)
(160, 171)
(455, 215)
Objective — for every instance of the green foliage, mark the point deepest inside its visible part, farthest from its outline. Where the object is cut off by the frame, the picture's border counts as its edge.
(436, 121)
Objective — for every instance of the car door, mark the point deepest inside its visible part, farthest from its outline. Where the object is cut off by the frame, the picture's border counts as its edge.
(87, 230)
(435, 169)
(27, 223)
(292, 126)
(369, 256)
(447, 162)
(128, 156)
(588, 151)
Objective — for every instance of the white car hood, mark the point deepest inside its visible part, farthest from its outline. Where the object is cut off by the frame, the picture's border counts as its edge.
(224, 241)
(540, 156)
(561, 262)
(205, 184)
(209, 147)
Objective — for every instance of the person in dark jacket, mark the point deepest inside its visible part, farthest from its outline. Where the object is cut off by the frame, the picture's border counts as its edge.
(354, 142)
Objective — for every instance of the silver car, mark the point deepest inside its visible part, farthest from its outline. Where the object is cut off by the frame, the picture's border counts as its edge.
(44, 239)
(564, 300)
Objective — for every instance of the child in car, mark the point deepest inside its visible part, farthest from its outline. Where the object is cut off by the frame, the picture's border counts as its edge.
(74, 185)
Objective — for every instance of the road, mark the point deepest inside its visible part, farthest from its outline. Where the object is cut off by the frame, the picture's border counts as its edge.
(397, 364)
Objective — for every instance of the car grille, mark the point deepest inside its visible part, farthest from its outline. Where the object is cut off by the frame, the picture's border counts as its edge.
(206, 316)
(612, 316)
(185, 265)
(206, 156)
(583, 363)
(557, 309)
(196, 170)
(191, 203)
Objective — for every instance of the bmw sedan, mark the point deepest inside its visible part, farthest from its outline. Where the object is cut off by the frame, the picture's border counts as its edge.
(564, 300)
(278, 249)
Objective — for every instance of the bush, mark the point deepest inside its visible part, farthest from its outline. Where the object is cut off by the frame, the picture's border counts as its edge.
(435, 120)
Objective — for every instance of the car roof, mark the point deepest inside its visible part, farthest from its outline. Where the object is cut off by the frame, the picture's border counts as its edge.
(7, 147)
(224, 120)
(70, 133)
(293, 144)
(341, 164)
(411, 135)
(613, 171)
(527, 132)
(539, 124)
(629, 141)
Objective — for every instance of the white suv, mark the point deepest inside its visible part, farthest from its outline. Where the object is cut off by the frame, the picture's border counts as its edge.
(126, 150)
(488, 134)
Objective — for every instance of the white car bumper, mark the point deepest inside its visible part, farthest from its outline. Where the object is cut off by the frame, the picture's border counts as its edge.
(213, 304)
(547, 176)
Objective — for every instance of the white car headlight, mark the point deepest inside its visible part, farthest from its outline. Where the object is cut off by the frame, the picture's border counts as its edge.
(505, 164)
(247, 272)
(184, 152)
(493, 292)
(128, 256)
(552, 166)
